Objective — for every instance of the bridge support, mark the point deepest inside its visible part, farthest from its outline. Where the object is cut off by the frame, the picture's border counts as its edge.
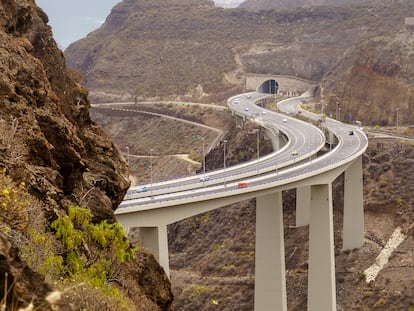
(240, 121)
(276, 138)
(270, 274)
(155, 239)
(353, 226)
(321, 269)
(303, 201)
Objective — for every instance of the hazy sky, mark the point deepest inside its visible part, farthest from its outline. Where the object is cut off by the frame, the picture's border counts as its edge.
(72, 20)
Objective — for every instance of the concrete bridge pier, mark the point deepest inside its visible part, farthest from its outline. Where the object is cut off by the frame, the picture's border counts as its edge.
(239, 121)
(277, 139)
(353, 223)
(270, 274)
(321, 268)
(155, 239)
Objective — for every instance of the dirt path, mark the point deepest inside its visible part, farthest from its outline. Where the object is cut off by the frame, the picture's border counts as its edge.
(185, 276)
(210, 146)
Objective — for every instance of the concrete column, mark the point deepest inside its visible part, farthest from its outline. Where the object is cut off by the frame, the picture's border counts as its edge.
(353, 227)
(276, 138)
(321, 269)
(155, 239)
(270, 274)
(303, 202)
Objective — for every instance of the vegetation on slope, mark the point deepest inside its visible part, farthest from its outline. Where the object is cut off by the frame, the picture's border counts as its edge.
(61, 178)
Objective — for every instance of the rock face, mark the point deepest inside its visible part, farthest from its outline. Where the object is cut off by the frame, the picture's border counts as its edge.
(48, 139)
(374, 81)
(49, 144)
(19, 280)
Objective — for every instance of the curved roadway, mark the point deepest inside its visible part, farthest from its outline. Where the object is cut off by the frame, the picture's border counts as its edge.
(296, 161)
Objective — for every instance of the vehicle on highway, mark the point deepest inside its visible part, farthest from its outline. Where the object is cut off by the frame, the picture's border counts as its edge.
(295, 152)
(242, 185)
(248, 96)
(284, 121)
(264, 112)
(142, 189)
(351, 132)
(204, 178)
(246, 109)
(236, 102)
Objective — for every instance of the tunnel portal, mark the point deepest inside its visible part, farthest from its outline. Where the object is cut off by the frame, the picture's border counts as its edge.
(270, 86)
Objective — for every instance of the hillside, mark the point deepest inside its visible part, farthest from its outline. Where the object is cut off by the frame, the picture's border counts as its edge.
(61, 178)
(212, 254)
(383, 65)
(196, 51)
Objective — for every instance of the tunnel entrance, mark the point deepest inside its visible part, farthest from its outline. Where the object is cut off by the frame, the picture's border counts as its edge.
(268, 87)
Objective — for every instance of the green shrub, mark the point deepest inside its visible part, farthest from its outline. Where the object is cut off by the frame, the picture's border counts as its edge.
(99, 242)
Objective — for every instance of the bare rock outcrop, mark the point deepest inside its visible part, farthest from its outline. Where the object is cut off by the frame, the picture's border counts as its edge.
(49, 144)
(374, 81)
(48, 139)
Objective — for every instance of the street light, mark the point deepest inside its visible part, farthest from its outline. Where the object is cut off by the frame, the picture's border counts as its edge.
(151, 151)
(224, 159)
(204, 160)
(339, 113)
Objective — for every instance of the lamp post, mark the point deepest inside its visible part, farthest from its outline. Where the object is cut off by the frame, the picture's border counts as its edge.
(396, 116)
(151, 151)
(339, 113)
(204, 160)
(224, 160)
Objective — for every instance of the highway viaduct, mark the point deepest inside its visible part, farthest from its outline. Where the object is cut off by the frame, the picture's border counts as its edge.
(313, 208)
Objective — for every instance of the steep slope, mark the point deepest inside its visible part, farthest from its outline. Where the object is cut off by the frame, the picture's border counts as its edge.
(212, 255)
(374, 81)
(54, 158)
(194, 49)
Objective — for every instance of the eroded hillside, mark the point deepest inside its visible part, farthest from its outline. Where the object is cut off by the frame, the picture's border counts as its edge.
(61, 179)
(212, 254)
(197, 51)
(374, 81)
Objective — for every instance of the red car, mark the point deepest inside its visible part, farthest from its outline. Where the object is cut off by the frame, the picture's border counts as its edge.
(242, 185)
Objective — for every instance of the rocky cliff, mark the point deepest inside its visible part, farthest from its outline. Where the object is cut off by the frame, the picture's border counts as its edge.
(50, 148)
(374, 81)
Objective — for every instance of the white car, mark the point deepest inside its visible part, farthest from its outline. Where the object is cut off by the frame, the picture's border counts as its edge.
(246, 109)
(204, 178)
(284, 121)
(141, 189)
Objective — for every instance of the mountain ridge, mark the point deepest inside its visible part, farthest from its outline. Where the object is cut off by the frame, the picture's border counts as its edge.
(202, 47)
